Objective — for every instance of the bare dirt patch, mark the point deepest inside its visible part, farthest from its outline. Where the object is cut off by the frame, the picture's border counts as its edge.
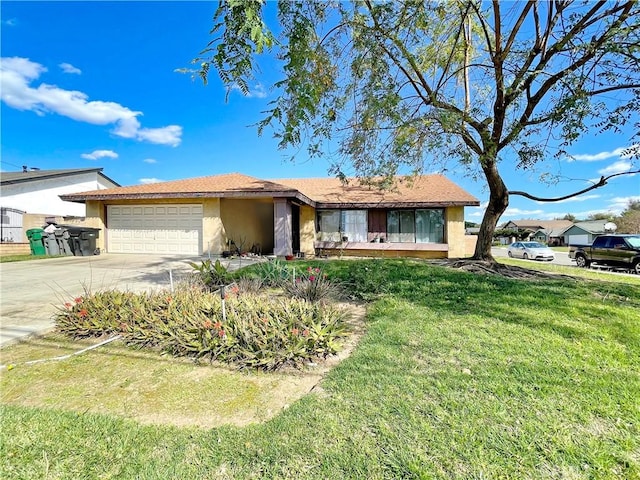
(154, 389)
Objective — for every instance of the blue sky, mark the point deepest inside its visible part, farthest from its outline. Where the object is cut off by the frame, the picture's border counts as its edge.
(96, 84)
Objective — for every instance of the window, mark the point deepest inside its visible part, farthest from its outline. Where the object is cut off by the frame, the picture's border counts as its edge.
(329, 225)
(430, 226)
(354, 225)
(401, 226)
(415, 226)
(335, 224)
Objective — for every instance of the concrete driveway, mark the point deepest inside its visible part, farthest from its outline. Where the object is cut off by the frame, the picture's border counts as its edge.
(31, 290)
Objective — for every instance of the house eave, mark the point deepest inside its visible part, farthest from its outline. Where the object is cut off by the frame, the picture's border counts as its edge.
(80, 198)
(387, 205)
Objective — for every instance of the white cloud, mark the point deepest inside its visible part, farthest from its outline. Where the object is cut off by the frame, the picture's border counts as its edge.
(257, 91)
(516, 212)
(150, 160)
(617, 167)
(17, 73)
(146, 181)
(97, 154)
(619, 204)
(580, 198)
(186, 70)
(68, 68)
(11, 22)
(618, 152)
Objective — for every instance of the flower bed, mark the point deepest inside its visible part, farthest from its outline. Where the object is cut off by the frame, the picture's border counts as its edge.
(256, 331)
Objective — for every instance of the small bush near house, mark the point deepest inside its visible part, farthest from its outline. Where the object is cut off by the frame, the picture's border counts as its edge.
(212, 274)
(367, 280)
(274, 273)
(263, 332)
(312, 285)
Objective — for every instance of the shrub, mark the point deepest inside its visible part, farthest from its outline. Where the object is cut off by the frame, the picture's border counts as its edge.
(249, 284)
(274, 273)
(367, 280)
(257, 332)
(312, 285)
(212, 274)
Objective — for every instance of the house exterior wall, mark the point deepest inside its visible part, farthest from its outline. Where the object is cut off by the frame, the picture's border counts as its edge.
(42, 196)
(11, 225)
(577, 235)
(213, 232)
(470, 242)
(455, 235)
(383, 253)
(96, 217)
(248, 222)
(307, 230)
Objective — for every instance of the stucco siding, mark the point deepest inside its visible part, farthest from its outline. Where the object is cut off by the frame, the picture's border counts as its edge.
(248, 223)
(96, 217)
(213, 232)
(455, 232)
(307, 230)
(389, 253)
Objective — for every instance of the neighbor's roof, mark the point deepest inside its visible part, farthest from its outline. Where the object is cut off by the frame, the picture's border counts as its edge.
(8, 178)
(547, 225)
(593, 226)
(427, 190)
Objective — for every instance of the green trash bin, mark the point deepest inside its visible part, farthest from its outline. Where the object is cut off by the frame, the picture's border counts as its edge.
(35, 236)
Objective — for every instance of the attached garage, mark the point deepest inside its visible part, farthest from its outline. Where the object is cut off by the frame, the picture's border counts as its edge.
(578, 239)
(161, 229)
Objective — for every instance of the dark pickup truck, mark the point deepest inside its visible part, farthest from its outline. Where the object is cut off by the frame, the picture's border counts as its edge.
(617, 251)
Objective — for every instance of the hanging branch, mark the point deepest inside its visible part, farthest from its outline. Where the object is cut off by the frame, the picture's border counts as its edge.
(600, 183)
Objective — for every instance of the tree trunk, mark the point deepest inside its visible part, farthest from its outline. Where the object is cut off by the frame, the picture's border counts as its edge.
(498, 203)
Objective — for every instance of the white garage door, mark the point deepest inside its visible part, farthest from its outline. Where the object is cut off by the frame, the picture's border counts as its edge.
(578, 239)
(173, 229)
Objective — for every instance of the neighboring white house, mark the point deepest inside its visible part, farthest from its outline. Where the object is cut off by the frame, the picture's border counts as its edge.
(38, 191)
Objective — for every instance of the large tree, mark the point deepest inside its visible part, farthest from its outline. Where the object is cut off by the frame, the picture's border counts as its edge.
(391, 85)
(629, 219)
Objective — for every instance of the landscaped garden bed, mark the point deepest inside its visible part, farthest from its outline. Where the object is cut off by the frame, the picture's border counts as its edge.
(289, 322)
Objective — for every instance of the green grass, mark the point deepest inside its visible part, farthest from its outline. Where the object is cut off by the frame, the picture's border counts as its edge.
(583, 273)
(458, 376)
(23, 258)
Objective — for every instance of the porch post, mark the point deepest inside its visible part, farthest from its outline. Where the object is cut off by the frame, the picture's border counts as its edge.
(282, 244)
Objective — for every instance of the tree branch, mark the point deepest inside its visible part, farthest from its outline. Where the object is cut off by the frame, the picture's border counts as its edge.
(600, 183)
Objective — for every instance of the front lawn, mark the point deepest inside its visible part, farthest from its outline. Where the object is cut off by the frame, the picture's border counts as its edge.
(459, 375)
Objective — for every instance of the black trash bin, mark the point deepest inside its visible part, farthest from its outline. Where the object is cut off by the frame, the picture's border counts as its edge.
(83, 240)
(63, 238)
(51, 244)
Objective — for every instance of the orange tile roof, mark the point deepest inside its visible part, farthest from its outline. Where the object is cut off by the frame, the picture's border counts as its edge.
(232, 184)
(427, 190)
(431, 190)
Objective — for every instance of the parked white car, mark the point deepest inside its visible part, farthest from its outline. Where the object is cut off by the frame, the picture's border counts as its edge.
(531, 250)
